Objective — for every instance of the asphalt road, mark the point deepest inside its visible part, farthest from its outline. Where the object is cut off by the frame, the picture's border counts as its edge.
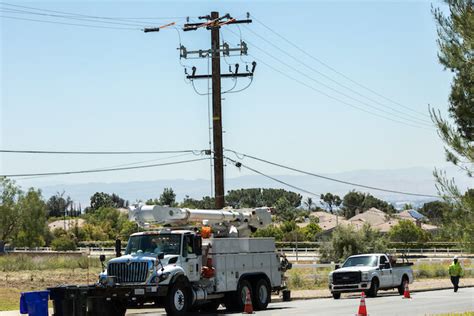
(422, 303)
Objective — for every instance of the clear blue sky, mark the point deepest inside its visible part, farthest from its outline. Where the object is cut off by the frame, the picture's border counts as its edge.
(75, 88)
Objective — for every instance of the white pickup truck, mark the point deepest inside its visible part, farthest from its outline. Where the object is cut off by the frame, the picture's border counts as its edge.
(369, 273)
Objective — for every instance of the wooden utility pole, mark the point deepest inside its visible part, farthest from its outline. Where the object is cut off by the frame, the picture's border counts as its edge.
(214, 23)
(217, 115)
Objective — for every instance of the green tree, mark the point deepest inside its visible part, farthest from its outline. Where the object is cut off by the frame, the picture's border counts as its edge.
(436, 211)
(101, 200)
(57, 205)
(406, 231)
(354, 200)
(32, 220)
(109, 220)
(309, 203)
(346, 241)
(206, 203)
(256, 197)
(311, 231)
(407, 206)
(9, 209)
(456, 46)
(128, 228)
(270, 231)
(331, 201)
(284, 211)
(118, 202)
(63, 243)
(168, 197)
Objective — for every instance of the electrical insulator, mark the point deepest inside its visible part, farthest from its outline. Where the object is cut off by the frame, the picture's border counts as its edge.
(254, 64)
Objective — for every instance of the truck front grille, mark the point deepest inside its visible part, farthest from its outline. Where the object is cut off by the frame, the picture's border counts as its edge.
(346, 277)
(125, 272)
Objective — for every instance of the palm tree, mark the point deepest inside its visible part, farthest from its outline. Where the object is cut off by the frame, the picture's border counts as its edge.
(309, 203)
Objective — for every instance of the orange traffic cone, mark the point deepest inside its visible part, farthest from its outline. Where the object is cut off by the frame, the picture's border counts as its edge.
(362, 308)
(248, 309)
(406, 293)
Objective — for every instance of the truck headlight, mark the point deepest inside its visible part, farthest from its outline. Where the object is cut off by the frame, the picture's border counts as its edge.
(330, 278)
(365, 276)
(162, 277)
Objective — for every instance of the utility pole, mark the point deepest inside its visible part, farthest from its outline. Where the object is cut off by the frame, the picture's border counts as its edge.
(214, 23)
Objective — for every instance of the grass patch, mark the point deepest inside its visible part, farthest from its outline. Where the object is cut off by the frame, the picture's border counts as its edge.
(10, 299)
(11, 263)
(438, 270)
(456, 314)
(307, 278)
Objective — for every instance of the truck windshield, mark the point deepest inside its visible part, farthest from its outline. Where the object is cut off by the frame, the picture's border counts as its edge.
(154, 244)
(370, 261)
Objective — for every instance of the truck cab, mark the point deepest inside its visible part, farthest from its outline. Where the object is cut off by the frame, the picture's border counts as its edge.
(150, 257)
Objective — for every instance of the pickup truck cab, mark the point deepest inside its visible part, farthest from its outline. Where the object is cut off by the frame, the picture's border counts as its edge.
(369, 273)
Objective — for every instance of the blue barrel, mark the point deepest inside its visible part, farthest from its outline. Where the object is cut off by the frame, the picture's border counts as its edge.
(34, 303)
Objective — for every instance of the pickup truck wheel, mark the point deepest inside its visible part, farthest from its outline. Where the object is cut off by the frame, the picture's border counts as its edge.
(261, 295)
(336, 295)
(178, 299)
(401, 287)
(374, 288)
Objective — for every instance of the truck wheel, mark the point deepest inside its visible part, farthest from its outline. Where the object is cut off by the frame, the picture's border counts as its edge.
(401, 288)
(261, 295)
(336, 295)
(178, 299)
(374, 288)
(235, 301)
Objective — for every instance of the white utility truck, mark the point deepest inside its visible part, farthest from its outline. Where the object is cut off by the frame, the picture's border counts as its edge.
(196, 268)
(369, 273)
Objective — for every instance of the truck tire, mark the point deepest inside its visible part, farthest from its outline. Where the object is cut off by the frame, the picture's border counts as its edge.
(374, 288)
(235, 301)
(178, 300)
(261, 295)
(336, 295)
(401, 287)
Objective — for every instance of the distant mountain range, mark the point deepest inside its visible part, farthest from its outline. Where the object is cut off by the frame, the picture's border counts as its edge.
(417, 180)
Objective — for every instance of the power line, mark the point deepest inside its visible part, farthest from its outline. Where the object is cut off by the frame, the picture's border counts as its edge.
(67, 17)
(239, 164)
(73, 24)
(334, 70)
(123, 165)
(100, 152)
(334, 81)
(94, 16)
(100, 170)
(419, 124)
(333, 179)
(332, 97)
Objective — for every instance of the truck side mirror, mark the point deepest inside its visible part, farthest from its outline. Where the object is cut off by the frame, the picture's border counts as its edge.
(198, 245)
(337, 267)
(161, 255)
(118, 247)
(102, 260)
